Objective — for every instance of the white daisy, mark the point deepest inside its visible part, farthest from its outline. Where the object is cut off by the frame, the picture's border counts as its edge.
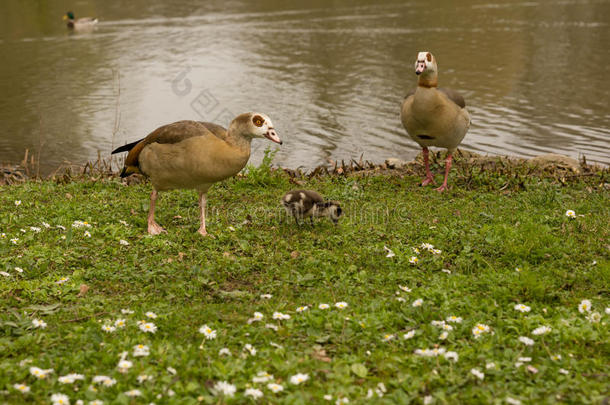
(35, 229)
(143, 378)
(427, 246)
(323, 306)
(123, 242)
(108, 328)
(390, 253)
(280, 316)
(104, 380)
(62, 280)
(60, 399)
(564, 371)
(120, 323)
(512, 401)
(253, 392)
(594, 317)
(570, 214)
(224, 352)
(451, 356)
(409, 334)
(418, 302)
(150, 315)
(22, 388)
(148, 327)
(404, 288)
(413, 260)
(443, 335)
(266, 296)
(341, 305)
(14, 241)
(141, 350)
(299, 378)
(526, 341)
(133, 393)
(490, 365)
(5, 274)
(479, 329)
(208, 332)
(171, 370)
(87, 234)
(436, 251)
(271, 326)
(124, 366)
(17, 203)
(542, 330)
(302, 308)
(40, 373)
(275, 387)
(126, 311)
(522, 308)
(225, 388)
(479, 374)
(262, 377)
(387, 337)
(250, 349)
(39, 323)
(70, 378)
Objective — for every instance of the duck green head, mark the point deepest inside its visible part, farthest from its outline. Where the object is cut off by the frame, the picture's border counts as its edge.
(69, 16)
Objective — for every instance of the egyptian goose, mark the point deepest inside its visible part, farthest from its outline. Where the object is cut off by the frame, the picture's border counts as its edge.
(306, 203)
(194, 155)
(81, 23)
(434, 116)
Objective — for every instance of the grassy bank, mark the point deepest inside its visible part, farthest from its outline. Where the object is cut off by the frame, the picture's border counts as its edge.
(76, 256)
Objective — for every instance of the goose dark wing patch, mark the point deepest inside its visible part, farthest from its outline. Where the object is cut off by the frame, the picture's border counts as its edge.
(453, 96)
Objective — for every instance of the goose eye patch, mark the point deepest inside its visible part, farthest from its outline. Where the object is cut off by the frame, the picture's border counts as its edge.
(258, 120)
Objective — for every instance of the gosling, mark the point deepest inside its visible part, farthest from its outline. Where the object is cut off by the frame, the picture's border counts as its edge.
(306, 203)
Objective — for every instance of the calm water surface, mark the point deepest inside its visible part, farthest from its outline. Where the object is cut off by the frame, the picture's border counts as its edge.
(331, 74)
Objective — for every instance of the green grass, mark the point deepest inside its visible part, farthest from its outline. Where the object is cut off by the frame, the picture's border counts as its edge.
(189, 281)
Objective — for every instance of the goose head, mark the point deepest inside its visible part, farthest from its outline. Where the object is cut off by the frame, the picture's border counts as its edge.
(425, 64)
(258, 125)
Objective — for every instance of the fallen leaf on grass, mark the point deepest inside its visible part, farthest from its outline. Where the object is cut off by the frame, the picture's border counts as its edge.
(83, 290)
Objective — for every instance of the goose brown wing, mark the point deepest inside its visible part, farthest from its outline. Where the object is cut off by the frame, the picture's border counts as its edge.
(453, 96)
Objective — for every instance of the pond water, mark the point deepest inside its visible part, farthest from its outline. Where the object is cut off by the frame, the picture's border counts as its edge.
(330, 74)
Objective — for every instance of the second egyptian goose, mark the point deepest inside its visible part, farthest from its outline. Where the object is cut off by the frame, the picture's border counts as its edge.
(194, 155)
(434, 116)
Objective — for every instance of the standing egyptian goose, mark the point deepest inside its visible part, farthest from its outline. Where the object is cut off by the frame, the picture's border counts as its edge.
(434, 116)
(80, 24)
(194, 155)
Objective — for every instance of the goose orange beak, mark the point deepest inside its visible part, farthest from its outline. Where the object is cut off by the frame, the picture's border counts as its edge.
(272, 136)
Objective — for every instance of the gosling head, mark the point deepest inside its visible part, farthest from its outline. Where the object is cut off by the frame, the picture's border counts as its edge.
(330, 209)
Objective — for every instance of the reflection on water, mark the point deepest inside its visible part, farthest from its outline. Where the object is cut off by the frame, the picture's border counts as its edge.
(331, 75)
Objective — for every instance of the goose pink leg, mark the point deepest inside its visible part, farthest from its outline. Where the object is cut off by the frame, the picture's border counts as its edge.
(202, 204)
(153, 227)
(429, 178)
(444, 187)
